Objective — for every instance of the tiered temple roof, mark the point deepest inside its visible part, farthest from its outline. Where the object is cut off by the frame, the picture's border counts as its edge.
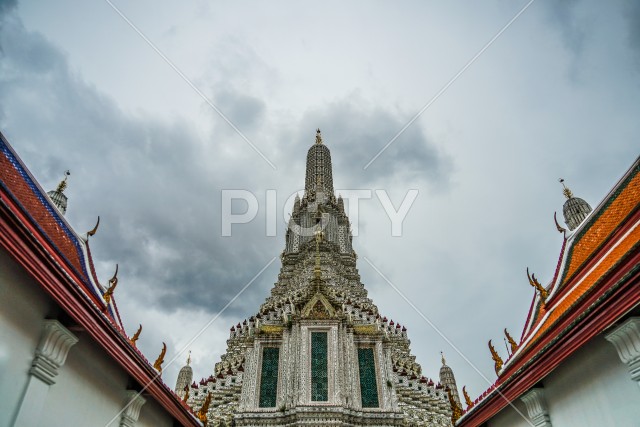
(595, 283)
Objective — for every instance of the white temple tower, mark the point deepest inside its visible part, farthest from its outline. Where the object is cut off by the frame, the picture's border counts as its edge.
(185, 376)
(318, 352)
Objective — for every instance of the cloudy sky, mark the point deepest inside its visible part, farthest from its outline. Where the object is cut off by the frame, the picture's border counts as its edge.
(555, 95)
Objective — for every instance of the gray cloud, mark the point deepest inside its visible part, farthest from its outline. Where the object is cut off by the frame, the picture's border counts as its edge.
(632, 14)
(151, 182)
(572, 27)
(243, 110)
(7, 5)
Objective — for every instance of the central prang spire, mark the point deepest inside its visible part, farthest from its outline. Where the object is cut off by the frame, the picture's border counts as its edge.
(318, 352)
(319, 176)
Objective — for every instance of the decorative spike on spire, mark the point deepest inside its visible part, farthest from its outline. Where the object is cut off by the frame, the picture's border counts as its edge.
(318, 136)
(565, 190)
(189, 358)
(444, 362)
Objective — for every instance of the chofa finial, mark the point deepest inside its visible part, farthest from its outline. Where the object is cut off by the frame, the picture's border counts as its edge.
(318, 136)
(565, 190)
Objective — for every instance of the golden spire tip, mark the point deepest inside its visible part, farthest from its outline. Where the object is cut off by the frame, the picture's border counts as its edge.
(63, 184)
(565, 190)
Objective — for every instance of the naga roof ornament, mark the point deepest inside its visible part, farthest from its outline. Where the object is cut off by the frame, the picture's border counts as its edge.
(157, 365)
(541, 289)
(113, 282)
(496, 359)
(512, 343)
(92, 232)
(135, 336)
(467, 399)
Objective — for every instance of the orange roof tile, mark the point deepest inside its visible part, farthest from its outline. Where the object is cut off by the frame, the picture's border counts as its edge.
(593, 236)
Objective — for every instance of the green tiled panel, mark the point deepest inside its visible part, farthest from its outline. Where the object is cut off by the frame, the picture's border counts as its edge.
(368, 383)
(319, 367)
(269, 377)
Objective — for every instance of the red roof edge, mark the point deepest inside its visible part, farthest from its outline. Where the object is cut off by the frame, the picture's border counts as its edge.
(617, 295)
(34, 252)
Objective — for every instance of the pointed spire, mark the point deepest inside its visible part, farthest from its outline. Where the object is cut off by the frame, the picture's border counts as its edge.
(58, 197)
(319, 178)
(189, 358)
(575, 209)
(444, 362)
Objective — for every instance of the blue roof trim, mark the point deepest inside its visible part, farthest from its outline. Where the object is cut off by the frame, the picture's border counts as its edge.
(20, 168)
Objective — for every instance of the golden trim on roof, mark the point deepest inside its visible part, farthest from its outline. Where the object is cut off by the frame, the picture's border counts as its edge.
(570, 298)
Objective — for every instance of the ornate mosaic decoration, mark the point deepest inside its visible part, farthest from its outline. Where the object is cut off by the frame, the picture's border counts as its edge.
(318, 352)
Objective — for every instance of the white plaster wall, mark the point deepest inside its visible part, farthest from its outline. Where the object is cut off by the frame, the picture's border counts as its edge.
(510, 417)
(594, 389)
(153, 415)
(90, 387)
(23, 306)
(591, 389)
(91, 384)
